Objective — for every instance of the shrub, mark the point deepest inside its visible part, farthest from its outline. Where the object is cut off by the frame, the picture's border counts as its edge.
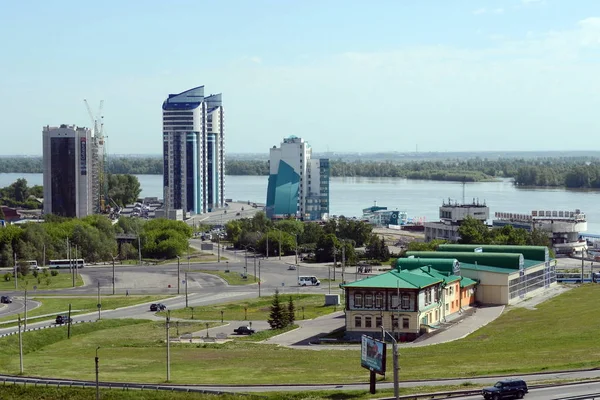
(7, 277)
(35, 274)
(54, 273)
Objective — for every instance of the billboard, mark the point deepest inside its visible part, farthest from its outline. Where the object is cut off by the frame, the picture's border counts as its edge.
(372, 354)
(83, 156)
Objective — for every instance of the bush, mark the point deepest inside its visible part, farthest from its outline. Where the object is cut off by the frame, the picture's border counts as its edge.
(54, 272)
(7, 277)
(35, 274)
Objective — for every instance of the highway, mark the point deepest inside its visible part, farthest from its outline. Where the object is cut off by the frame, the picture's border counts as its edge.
(579, 391)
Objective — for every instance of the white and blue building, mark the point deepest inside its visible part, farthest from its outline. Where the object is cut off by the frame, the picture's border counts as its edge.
(193, 152)
(298, 184)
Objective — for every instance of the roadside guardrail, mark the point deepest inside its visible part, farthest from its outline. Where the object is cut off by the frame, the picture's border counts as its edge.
(37, 328)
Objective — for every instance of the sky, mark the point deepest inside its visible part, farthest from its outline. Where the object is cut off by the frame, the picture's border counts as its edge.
(345, 75)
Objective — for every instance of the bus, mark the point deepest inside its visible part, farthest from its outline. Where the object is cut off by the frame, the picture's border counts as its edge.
(575, 277)
(66, 263)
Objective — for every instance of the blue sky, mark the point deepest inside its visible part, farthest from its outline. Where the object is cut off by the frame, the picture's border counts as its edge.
(446, 75)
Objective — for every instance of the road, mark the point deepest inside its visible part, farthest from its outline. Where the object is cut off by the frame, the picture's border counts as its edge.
(557, 393)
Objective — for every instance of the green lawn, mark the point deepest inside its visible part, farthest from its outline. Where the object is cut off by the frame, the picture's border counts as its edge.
(42, 282)
(257, 309)
(561, 333)
(56, 305)
(232, 278)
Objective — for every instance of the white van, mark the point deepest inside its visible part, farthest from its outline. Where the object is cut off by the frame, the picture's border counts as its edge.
(308, 281)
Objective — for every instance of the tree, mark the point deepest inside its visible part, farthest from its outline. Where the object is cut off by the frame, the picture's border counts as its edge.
(2, 216)
(123, 189)
(277, 316)
(473, 231)
(325, 248)
(291, 312)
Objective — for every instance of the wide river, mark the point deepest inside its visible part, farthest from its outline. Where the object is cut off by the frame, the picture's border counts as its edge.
(420, 199)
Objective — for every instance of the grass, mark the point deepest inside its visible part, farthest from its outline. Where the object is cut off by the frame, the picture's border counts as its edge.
(560, 334)
(232, 278)
(257, 309)
(43, 282)
(58, 305)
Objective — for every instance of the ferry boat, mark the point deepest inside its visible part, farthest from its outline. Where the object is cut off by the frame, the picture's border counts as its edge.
(381, 216)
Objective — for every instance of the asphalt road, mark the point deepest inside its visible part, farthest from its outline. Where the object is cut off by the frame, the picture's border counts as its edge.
(557, 393)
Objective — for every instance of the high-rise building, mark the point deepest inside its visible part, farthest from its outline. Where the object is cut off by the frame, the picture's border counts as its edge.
(68, 171)
(298, 184)
(193, 152)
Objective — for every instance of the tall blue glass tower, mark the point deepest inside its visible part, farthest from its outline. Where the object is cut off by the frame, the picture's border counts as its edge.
(193, 152)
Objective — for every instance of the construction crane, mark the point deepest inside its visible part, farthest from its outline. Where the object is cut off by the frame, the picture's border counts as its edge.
(100, 178)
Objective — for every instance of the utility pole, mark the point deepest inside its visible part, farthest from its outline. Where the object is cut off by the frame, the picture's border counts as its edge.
(396, 368)
(25, 309)
(99, 305)
(218, 248)
(113, 279)
(186, 291)
(582, 275)
(329, 276)
(16, 273)
(69, 323)
(255, 267)
(20, 347)
(334, 261)
(140, 249)
(279, 245)
(168, 325)
(246, 259)
(259, 282)
(296, 236)
(343, 261)
(44, 257)
(188, 260)
(97, 373)
(267, 256)
(178, 275)
(75, 271)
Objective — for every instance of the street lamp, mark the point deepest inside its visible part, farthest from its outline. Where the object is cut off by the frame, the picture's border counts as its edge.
(259, 281)
(97, 371)
(178, 275)
(113, 277)
(395, 353)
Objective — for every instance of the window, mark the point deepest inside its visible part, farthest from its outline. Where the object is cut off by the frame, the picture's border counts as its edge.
(378, 322)
(358, 300)
(405, 301)
(357, 322)
(394, 301)
(436, 295)
(405, 323)
(379, 300)
(367, 322)
(447, 307)
(368, 301)
(395, 322)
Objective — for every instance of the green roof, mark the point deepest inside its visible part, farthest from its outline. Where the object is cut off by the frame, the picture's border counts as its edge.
(440, 264)
(428, 271)
(539, 253)
(395, 279)
(464, 282)
(501, 260)
(500, 270)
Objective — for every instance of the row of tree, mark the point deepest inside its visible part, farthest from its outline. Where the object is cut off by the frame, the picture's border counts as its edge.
(571, 172)
(92, 238)
(325, 241)
(474, 231)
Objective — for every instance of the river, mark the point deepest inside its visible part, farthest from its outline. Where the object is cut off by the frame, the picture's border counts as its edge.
(420, 199)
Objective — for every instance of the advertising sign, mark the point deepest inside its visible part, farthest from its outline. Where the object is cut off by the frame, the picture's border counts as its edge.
(83, 156)
(372, 354)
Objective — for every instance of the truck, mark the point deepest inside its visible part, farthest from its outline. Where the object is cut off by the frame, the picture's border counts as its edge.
(244, 330)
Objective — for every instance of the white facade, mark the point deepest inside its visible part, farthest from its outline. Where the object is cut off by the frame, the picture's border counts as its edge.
(68, 171)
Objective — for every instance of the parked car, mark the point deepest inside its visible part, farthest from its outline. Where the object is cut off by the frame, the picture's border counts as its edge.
(509, 388)
(244, 330)
(5, 299)
(63, 319)
(157, 307)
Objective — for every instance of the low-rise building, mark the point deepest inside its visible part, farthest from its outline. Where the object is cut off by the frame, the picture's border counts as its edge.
(452, 214)
(405, 302)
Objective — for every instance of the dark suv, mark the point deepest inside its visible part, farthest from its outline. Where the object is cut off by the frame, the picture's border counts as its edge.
(63, 319)
(509, 388)
(5, 299)
(158, 307)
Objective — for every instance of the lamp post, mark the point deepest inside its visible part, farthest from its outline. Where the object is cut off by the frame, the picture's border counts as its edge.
(296, 243)
(167, 326)
(395, 354)
(113, 277)
(97, 373)
(186, 290)
(178, 275)
(255, 267)
(259, 281)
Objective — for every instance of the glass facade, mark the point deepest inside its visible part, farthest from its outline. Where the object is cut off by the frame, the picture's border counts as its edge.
(64, 191)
